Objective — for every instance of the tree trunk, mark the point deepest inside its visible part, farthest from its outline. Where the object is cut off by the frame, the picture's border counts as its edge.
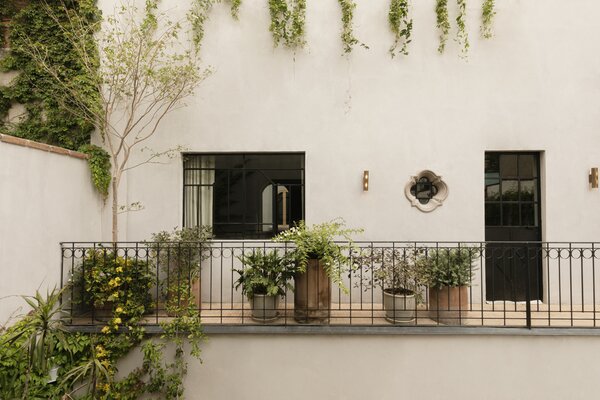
(115, 210)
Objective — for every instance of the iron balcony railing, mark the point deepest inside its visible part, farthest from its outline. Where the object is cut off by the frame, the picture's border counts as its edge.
(383, 284)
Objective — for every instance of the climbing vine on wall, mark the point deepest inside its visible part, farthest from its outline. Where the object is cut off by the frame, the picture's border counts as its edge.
(45, 119)
(199, 14)
(288, 22)
(348, 38)
(462, 37)
(401, 26)
(487, 17)
(443, 23)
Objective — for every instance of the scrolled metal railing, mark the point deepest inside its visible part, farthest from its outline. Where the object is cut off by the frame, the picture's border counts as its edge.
(382, 284)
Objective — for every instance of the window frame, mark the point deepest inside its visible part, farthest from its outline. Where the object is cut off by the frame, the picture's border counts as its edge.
(245, 235)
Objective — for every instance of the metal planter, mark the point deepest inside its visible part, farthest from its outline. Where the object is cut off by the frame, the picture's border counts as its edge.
(264, 308)
(399, 308)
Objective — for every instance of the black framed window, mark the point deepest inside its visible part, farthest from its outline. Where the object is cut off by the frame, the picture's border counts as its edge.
(243, 196)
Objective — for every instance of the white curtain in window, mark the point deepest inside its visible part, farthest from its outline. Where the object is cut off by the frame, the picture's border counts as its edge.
(199, 180)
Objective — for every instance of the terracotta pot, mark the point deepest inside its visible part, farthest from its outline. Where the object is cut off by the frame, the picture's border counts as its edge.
(312, 294)
(449, 305)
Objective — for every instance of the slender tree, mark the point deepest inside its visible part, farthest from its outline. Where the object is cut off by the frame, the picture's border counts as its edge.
(140, 71)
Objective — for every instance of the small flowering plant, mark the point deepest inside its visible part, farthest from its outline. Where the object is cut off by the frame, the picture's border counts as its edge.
(319, 242)
(106, 280)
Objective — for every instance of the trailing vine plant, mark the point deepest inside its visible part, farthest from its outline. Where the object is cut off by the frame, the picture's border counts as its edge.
(99, 162)
(288, 22)
(199, 13)
(401, 26)
(462, 37)
(443, 23)
(487, 17)
(348, 38)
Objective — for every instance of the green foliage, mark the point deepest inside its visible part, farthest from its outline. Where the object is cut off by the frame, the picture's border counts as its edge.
(394, 270)
(451, 267)
(288, 22)
(401, 26)
(443, 23)
(86, 363)
(487, 17)
(318, 242)
(35, 344)
(47, 120)
(348, 38)
(264, 273)
(120, 282)
(462, 37)
(199, 14)
(99, 162)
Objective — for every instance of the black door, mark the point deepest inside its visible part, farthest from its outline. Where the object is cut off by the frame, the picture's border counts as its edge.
(513, 220)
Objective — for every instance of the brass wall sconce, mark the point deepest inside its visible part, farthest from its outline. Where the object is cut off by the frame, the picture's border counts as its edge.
(365, 181)
(594, 178)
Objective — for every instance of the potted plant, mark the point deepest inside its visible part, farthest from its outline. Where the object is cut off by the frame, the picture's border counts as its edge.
(106, 282)
(448, 272)
(179, 255)
(398, 275)
(319, 262)
(263, 280)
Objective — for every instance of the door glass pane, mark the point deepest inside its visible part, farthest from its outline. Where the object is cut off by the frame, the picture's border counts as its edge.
(529, 190)
(492, 163)
(492, 189)
(510, 190)
(510, 214)
(508, 165)
(527, 166)
(492, 214)
(529, 214)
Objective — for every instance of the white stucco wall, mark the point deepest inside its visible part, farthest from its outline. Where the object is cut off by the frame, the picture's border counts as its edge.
(45, 198)
(534, 86)
(296, 367)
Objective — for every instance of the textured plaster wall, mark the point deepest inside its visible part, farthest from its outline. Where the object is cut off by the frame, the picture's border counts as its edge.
(295, 367)
(45, 198)
(535, 86)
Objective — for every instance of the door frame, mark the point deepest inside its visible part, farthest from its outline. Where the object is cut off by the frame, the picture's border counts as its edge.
(541, 186)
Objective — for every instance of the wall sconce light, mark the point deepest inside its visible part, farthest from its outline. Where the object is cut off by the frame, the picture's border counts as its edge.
(365, 181)
(594, 178)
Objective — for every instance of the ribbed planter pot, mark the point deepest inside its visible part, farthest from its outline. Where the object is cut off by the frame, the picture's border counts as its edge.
(264, 308)
(399, 308)
(449, 305)
(312, 294)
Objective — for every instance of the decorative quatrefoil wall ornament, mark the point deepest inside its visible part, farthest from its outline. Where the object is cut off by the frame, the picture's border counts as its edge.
(426, 191)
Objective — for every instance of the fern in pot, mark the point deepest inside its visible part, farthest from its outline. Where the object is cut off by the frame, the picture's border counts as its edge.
(448, 272)
(320, 260)
(398, 274)
(263, 279)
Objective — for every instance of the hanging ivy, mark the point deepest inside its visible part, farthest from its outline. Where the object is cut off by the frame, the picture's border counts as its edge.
(199, 13)
(443, 23)
(401, 26)
(462, 37)
(487, 17)
(348, 38)
(99, 162)
(288, 22)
